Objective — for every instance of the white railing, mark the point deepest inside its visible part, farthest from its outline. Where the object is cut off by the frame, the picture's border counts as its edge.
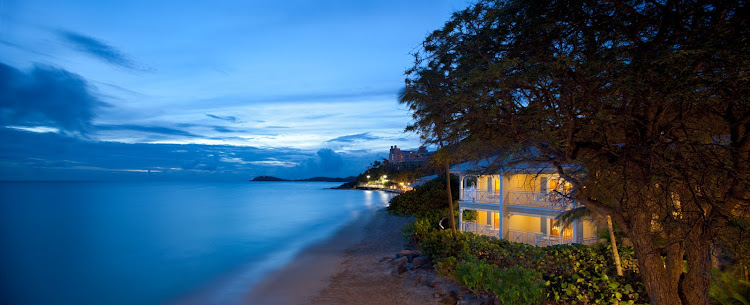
(543, 240)
(552, 200)
(481, 196)
(481, 229)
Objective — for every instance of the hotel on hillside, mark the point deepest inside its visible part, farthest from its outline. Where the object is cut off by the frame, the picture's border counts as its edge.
(519, 203)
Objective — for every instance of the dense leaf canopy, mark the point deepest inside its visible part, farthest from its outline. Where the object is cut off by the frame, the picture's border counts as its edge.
(649, 99)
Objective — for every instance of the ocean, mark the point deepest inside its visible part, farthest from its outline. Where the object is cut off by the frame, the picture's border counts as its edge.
(156, 242)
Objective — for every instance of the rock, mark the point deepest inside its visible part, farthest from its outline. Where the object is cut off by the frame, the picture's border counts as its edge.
(406, 253)
(385, 258)
(479, 300)
(416, 253)
(400, 271)
(400, 261)
(450, 299)
(420, 260)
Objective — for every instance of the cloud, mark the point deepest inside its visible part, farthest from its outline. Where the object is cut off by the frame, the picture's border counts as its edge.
(355, 137)
(326, 161)
(98, 49)
(149, 129)
(46, 96)
(27, 155)
(228, 118)
(330, 161)
(223, 129)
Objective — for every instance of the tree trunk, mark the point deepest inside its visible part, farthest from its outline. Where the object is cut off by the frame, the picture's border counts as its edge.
(613, 242)
(694, 288)
(450, 197)
(661, 288)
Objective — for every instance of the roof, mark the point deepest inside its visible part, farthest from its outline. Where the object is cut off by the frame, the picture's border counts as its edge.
(422, 180)
(491, 165)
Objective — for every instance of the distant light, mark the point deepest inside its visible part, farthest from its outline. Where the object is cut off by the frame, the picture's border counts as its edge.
(368, 176)
(385, 177)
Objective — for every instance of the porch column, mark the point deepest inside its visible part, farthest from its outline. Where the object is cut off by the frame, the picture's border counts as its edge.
(500, 192)
(500, 222)
(460, 219)
(545, 225)
(461, 189)
(501, 208)
(577, 231)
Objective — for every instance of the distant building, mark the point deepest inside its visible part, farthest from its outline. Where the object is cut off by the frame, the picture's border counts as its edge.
(401, 159)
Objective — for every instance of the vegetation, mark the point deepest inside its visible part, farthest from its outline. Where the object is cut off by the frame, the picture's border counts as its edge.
(380, 168)
(425, 201)
(516, 273)
(644, 106)
(567, 217)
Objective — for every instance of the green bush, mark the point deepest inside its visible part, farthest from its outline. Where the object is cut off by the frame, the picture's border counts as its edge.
(572, 274)
(425, 199)
(509, 285)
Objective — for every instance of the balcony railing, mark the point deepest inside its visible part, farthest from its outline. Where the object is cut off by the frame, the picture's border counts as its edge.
(543, 240)
(481, 229)
(480, 196)
(551, 200)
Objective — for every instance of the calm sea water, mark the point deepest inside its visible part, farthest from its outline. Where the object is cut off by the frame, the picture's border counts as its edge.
(150, 243)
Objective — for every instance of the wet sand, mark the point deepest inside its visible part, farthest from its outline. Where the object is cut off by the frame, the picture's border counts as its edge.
(350, 268)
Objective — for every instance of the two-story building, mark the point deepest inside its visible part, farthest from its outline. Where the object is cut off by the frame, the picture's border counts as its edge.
(519, 203)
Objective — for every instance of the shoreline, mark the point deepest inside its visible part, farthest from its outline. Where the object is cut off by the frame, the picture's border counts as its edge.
(357, 265)
(310, 270)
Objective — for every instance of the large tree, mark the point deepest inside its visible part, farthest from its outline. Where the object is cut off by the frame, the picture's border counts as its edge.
(649, 101)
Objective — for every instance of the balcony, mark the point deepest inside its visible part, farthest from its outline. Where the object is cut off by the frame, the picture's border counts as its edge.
(480, 196)
(480, 229)
(543, 240)
(551, 201)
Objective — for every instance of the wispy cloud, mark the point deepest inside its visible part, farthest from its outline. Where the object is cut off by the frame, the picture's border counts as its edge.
(98, 49)
(148, 129)
(228, 118)
(366, 136)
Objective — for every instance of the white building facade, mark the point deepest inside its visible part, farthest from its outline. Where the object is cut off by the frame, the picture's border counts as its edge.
(520, 205)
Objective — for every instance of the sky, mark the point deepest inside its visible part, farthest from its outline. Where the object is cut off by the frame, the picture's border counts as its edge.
(215, 90)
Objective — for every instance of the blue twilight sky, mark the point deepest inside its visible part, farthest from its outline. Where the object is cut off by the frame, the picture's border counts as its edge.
(205, 89)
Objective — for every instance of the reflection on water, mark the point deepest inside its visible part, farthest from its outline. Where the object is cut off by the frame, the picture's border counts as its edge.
(145, 243)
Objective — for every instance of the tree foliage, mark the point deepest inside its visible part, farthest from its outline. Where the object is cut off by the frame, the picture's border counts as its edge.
(427, 200)
(648, 100)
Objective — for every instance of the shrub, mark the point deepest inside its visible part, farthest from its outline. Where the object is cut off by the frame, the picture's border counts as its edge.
(509, 285)
(425, 199)
(572, 274)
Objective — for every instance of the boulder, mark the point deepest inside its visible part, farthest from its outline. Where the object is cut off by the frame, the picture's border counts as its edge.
(450, 299)
(405, 253)
(420, 261)
(400, 261)
(400, 271)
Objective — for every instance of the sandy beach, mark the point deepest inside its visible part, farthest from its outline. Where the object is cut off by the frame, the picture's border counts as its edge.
(355, 266)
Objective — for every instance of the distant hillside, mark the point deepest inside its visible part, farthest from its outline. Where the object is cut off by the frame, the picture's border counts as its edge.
(313, 179)
(267, 178)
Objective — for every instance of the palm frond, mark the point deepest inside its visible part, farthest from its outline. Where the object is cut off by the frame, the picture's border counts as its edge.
(567, 217)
